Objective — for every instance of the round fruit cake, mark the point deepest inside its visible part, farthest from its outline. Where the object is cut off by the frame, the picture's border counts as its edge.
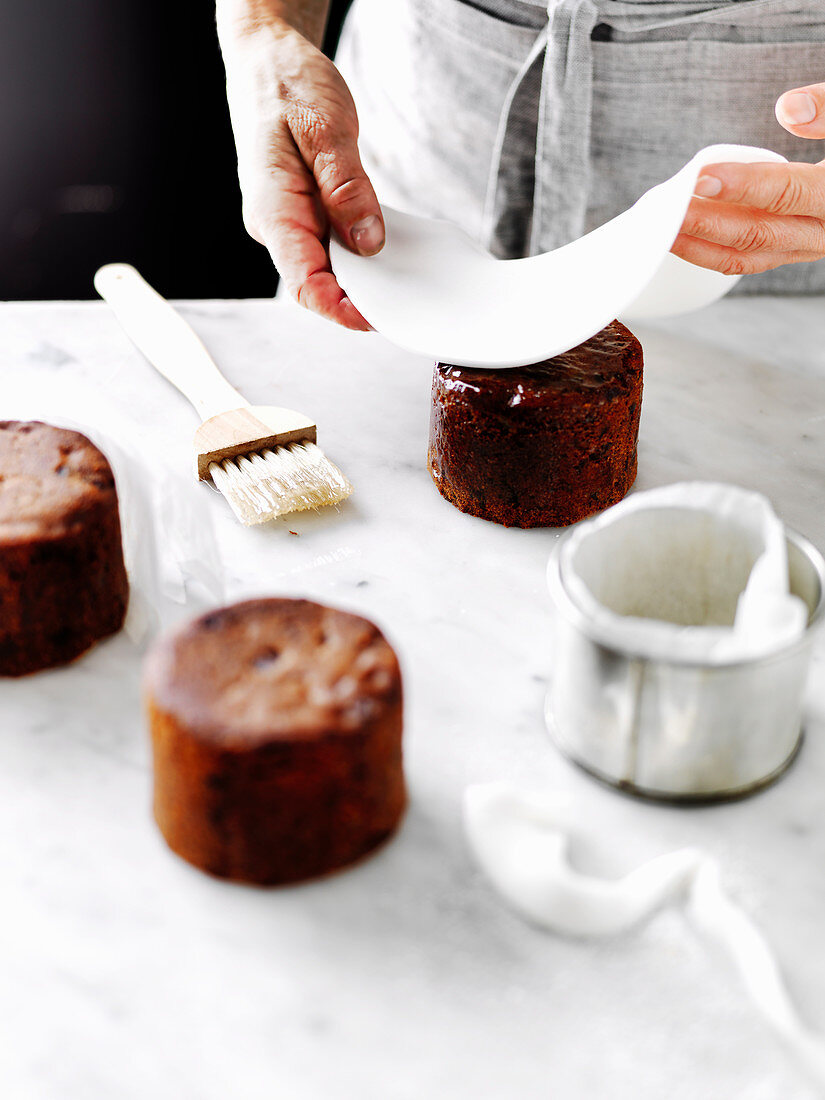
(63, 583)
(276, 733)
(543, 445)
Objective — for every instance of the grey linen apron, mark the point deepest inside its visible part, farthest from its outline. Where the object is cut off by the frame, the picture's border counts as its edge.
(530, 123)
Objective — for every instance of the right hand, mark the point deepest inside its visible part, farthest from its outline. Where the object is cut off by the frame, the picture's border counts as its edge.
(296, 132)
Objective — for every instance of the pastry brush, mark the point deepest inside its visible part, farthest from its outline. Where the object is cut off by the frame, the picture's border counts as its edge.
(265, 460)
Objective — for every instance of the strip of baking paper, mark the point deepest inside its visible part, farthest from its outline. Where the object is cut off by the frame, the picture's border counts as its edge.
(433, 291)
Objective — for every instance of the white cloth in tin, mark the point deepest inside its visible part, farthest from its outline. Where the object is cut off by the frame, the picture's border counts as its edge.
(696, 571)
(530, 123)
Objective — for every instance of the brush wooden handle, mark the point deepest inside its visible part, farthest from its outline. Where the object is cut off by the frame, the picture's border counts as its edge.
(166, 340)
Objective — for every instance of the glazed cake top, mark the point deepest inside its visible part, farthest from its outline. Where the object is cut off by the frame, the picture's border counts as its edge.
(610, 361)
(52, 481)
(273, 669)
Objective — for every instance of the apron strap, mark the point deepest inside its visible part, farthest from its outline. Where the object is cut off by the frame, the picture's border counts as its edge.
(539, 181)
(540, 160)
(563, 137)
(508, 204)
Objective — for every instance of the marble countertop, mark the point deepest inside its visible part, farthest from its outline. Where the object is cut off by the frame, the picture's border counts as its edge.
(127, 974)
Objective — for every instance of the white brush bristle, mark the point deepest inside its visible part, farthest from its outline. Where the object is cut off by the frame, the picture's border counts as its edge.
(272, 483)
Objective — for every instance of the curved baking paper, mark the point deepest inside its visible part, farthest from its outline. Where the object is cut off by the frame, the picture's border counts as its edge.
(432, 290)
(521, 843)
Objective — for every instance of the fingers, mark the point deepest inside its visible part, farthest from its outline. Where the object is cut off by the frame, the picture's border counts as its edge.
(286, 220)
(730, 261)
(778, 188)
(747, 230)
(747, 218)
(802, 111)
(321, 293)
(296, 132)
(742, 240)
(331, 154)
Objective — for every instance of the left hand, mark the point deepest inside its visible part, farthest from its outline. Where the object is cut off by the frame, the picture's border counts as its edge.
(747, 218)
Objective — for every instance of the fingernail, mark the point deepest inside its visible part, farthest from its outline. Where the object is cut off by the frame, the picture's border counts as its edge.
(798, 107)
(368, 235)
(707, 186)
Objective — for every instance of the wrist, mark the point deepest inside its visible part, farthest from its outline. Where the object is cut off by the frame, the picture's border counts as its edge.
(240, 21)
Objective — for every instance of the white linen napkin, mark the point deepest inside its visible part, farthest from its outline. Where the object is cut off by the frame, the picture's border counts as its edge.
(520, 841)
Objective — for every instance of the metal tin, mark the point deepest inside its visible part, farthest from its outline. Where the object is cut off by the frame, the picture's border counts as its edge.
(681, 731)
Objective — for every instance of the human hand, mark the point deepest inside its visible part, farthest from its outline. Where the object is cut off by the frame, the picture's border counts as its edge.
(747, 218)
(296, 132)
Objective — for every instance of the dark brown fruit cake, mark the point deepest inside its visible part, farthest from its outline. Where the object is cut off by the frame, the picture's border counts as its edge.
(543, 445)
(63, 584)
(276, 734)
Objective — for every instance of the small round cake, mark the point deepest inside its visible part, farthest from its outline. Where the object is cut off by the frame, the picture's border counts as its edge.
(543, 445)
(63, 583)
(276, 734)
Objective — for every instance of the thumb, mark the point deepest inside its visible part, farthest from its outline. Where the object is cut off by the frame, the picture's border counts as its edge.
(346, 193)
(802, 111)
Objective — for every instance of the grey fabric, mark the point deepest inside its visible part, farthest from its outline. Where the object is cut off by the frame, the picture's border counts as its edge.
(531, 123)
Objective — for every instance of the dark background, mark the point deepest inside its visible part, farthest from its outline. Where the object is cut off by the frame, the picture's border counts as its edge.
(115, 145)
